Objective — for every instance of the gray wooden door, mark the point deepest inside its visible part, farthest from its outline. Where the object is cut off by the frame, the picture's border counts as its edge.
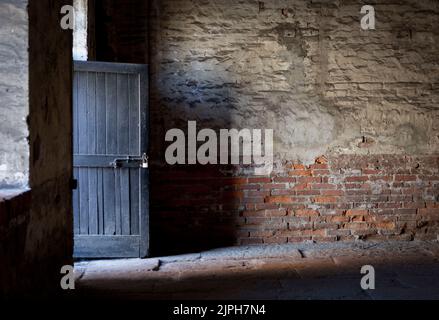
(110, 142)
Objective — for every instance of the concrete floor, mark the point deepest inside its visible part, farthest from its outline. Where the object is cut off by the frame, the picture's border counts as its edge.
(404, 270)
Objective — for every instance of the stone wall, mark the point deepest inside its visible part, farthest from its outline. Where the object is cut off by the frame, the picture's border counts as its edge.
(35, 240)
(367, 100)
(14, 147)
(303, 68)
(36, 227)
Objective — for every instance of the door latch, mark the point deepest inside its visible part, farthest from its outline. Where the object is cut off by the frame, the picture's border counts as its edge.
(120, 163)
(131, 162)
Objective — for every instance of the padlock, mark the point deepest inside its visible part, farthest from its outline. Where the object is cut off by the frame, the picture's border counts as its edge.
(144, 161)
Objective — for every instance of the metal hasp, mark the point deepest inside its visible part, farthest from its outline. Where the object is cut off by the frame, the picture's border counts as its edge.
(131, 162)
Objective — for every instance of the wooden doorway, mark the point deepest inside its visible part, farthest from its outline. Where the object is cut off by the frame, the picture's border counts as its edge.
(110, 145)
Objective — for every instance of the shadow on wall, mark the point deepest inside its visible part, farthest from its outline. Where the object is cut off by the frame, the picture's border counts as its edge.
(241, 66)
(192, 207)
(206, 68)
(196, 207)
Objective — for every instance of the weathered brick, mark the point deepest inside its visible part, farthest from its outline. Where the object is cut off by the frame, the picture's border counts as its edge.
(300, 173)
(248, 187)
(325, 199)
(281, 208)
(338, 219)
(339, 232)
(276, 212)
(274, 186)
(261, 233)
(282, 199)
(277, 240)
(294, 239)
(405, 211)
(356, 226)
(358, 192)
(284, 179)
(263, 206)
(247, 200)
(332, 192)
(385, 225)
(428, 211)
(306, 213)
(323, 186)
(319, 166)
(405, 178)
(254, 213)
(307, 192)
(371, 171)
(284, 192)
(250, 241)
(259, 180)
(357, 179)
(326, 238)
(301, 186)
(309, 180)
(253, 193)
(357, 212)
(321, 172)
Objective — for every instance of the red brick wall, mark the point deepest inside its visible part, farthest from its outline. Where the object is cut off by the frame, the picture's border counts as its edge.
(342, 198)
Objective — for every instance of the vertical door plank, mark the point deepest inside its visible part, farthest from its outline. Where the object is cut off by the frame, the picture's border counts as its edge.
(134, 201)
(83, 200)
(92, 172)
(101, 206)
(117, 187)
(134, 139)
(111, 114)
(109, 202)
(101, 114)
(93, 200)
(101, 145)
(134, 114)
(75, 113)
(91, 113)
(125, 200)
(83, 149)
(82, 113)
(122, 128)
(75, 201)
(111, 143)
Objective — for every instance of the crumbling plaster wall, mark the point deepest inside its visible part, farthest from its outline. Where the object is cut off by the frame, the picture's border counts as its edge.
(80, 46)
(14, 147)
(303, 68)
